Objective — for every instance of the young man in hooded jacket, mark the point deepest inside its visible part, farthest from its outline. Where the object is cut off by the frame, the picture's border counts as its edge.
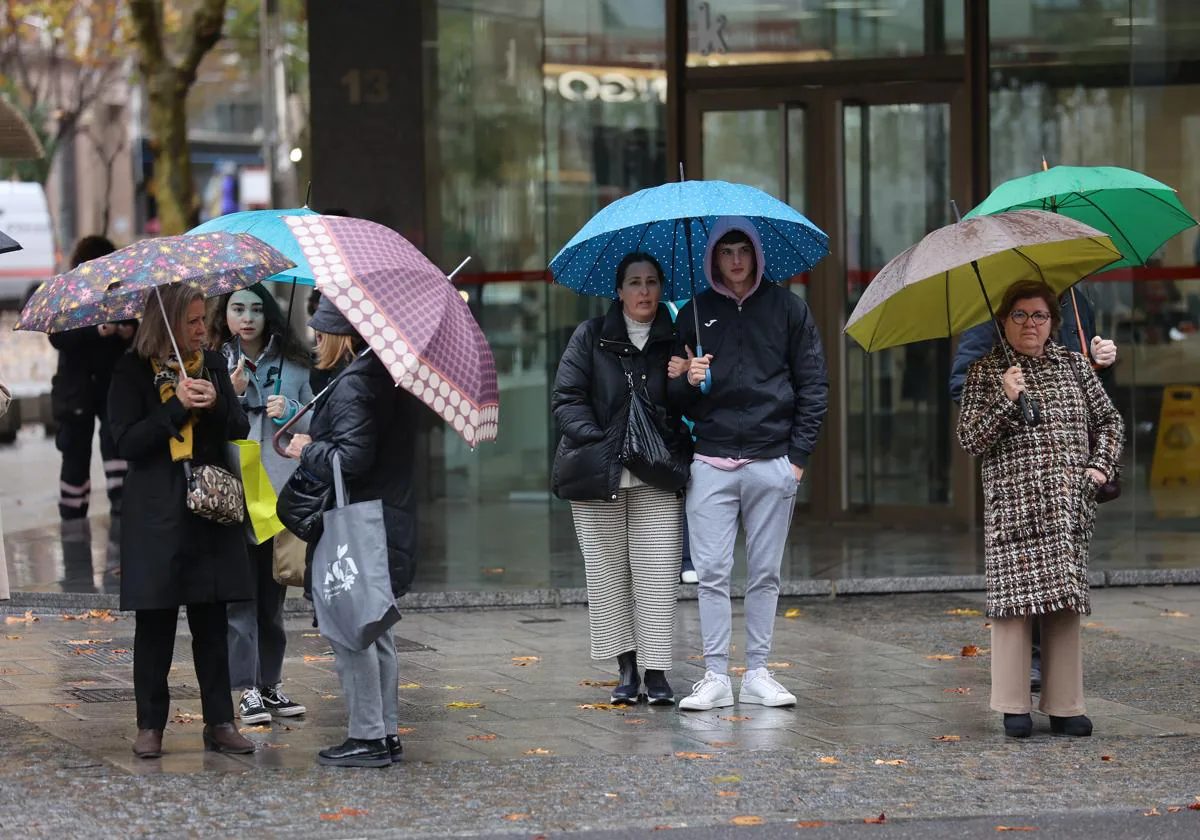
(754, 431)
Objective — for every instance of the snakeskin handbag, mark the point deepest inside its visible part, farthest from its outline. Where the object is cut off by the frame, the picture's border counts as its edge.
(215, 494)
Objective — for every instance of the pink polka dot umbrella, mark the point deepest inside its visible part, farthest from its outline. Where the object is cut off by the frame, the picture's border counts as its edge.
(409, 314)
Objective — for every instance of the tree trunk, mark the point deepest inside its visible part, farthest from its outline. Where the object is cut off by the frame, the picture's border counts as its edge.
(173, 188)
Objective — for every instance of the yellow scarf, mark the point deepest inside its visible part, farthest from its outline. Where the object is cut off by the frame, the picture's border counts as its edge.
(166, 377)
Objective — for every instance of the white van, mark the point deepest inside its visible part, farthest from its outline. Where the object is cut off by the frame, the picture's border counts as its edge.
(25, 216)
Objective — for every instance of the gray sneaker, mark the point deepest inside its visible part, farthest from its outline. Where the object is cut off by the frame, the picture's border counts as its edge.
(251, 710)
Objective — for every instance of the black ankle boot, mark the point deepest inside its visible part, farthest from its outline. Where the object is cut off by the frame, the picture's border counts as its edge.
(658, 690)
(628, 681)
(1078, 725)
(1018, 726)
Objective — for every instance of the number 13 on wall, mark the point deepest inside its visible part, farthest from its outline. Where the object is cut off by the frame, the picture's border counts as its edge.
(366, 86)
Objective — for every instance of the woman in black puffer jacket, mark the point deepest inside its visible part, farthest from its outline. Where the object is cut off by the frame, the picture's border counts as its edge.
(628, 530)
(371, 425)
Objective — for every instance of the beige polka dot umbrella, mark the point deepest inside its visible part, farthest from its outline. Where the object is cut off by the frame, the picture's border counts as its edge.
(409, 314)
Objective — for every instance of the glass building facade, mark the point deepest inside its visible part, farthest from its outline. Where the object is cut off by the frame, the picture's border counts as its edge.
(870, 116)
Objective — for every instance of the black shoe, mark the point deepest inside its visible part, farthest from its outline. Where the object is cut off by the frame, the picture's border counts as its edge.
(278, 703)
(1035, 671)
(395, 748)
(357, 753)
(1018, 726)
(1078, 725)
(658, 690)
(628, 681)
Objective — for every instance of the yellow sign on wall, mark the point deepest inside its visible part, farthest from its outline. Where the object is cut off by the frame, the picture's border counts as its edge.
(1175, 469)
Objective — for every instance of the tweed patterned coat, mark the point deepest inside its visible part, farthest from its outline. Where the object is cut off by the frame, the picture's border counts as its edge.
(1039, 503)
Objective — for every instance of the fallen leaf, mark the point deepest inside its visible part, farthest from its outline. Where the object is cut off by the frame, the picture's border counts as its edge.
(694, 755)
(738, 670)
(28, 618)
(964, 611)
(598, 683)
(119, 650)
(1153, 812)
(1195, 806)
(891, 762)
(451, 687)
(948, 738)
(794, 612)
(635, 721)
(727, 780)
(1016, 828)
(499, 691)
(318, 658)
(515, 817)
(601, 707)
(942, 656)
(735, 717)
(65, 705)
(405, 730)
(612, 796)
(527, 659)
(481, 737)
(966, 690)
(493, 570)
(782, 666)
(1106, 758)
(266, 727)
(810, 824)
(880, 820)
(310, 635)
(827, 759)
(1174, 614)
(463, 704)
(696, 658)
(101, 615)
(537, 751)
(727, 793)
(747, 820)
(81, 651)
(722, 743)
(970, 650)
(329, 697)
(276, 746)
(186, 717)
(14, 638)
(1174, 809)
(409, 685)
(88, 641)
(355, 812)
(331, 816)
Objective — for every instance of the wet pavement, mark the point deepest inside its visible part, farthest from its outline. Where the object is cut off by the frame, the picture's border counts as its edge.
(501, 737)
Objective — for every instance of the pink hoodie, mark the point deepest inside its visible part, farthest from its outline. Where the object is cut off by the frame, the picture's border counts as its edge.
(723, 225)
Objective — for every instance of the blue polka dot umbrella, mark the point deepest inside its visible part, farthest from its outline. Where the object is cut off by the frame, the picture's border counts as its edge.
(671, 223)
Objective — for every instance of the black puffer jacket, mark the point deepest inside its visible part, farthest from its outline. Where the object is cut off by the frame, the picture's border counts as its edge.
(85, 367)
(371, 425)
(770, 393)
(591, 402)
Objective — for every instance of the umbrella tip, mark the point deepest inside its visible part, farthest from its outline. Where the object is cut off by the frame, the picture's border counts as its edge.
(954, 207)
(1045, 166)
(681, 175)
(308, 195)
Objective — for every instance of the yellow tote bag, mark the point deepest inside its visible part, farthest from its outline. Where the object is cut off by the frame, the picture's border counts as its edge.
(260, 495)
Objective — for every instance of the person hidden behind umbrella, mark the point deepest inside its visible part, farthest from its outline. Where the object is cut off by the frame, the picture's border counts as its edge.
(78, 398)
(370, 425)
(1039, 486)
(163, 418)
(628, 527)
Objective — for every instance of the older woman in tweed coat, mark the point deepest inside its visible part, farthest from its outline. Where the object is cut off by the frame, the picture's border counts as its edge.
(1039, 486)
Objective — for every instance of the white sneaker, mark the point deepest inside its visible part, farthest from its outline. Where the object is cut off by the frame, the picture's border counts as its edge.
(713, 692)
(760, 688)
(689, 576)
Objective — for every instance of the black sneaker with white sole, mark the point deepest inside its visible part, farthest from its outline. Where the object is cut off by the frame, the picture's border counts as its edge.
(278, 704)
(251, 710)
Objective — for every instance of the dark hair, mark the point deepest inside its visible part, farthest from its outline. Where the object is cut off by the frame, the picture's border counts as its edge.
(276, 324)
(1024, 289)
(736, 236)
(89, 248)
(637, 257)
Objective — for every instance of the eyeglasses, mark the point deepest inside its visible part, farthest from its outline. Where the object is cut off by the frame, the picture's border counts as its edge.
(1019, 317)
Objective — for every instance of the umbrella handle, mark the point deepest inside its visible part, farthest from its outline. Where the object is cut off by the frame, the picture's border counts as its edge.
(706, 385)
(276, 440)
(1029, 410)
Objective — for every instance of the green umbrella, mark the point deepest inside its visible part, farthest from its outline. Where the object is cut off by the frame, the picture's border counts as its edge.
(1138, 212)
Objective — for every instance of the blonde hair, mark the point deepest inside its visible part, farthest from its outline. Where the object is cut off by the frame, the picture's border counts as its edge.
(153, 341)
(332, 350)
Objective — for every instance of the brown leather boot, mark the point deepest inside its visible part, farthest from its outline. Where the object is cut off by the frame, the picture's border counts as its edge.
(148, 743)
(224, 737)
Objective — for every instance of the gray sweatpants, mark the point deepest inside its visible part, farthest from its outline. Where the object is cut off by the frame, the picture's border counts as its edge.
(257, 640)
(762, 494)
(371, 683)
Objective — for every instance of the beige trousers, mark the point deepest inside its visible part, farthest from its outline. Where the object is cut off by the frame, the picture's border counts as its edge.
(1062, 664)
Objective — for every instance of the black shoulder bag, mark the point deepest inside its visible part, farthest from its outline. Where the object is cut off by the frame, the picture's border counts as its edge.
(644, 452)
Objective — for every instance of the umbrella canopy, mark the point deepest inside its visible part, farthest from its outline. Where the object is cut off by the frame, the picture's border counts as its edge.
(113, 287)
(1138, 212)
(8, 244)
(410, 314)
(932, 290)
(267, 225)
(18, 140)
(671, 223)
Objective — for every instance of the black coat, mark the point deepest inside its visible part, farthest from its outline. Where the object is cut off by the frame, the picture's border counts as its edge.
(86, 360)
(591, 402)
(170, 556)
(371, 424)
(770, 392)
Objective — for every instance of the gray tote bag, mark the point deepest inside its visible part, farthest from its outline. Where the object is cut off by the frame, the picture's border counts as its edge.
(351, 584)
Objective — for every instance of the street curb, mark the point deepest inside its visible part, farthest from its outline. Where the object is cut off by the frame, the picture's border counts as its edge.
(564, 596)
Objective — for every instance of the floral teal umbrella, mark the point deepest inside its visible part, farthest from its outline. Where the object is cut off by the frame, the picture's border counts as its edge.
(115, 287)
